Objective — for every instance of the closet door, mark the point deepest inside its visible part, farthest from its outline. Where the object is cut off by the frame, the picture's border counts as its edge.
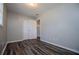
(30, 30)
(25, 30)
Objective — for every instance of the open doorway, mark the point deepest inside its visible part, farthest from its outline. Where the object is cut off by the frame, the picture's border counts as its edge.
(38, 29)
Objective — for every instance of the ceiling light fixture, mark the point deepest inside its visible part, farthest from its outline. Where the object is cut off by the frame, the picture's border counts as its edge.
(33, 4)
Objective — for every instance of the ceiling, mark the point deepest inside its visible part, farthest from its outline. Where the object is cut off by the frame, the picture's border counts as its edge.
(29, 11)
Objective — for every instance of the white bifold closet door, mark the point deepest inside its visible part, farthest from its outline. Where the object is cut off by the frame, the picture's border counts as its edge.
(30, 29)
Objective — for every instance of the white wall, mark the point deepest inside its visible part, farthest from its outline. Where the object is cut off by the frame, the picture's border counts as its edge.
(60, 26)
(14, 29)
(15, 26)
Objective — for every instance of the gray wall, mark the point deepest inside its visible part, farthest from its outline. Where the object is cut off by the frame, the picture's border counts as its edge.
(15, 26)
(3, 29)
(60, 26)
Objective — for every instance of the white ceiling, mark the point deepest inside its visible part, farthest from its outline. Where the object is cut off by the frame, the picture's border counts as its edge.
(24, 9)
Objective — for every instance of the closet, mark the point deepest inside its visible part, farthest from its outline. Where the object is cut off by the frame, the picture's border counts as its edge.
(30, 29)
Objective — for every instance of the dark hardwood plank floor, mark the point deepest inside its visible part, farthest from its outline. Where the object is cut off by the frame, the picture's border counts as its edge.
(35, 47)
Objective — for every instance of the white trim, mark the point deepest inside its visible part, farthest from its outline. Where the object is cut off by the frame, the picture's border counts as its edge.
(4, 48)
(41, 40)
(18, 40)
(10, 42)
(15, 41)
(62, 47)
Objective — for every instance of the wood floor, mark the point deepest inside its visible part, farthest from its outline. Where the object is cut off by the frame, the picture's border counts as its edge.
(35, 47)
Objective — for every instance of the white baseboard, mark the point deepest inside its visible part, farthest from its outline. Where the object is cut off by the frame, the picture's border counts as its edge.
(14, 41)
(41, 40)
(10, 42)
(4, 48)
(62, 47)
(18, 40)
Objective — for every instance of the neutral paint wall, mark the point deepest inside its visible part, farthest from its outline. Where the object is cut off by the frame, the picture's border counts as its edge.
(3, 27)
(60, 26)
(15, 26)
(5, 20)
